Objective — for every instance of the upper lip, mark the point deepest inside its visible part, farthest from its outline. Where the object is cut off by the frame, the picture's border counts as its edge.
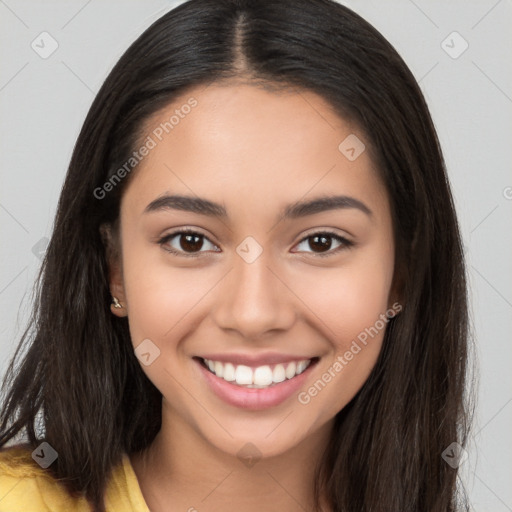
(255, 359)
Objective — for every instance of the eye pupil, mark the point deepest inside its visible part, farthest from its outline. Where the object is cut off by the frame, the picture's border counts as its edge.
(188, 245)
(325, 243)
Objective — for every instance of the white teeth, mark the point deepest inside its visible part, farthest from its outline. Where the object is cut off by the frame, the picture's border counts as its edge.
(229, 372)
(301, 366)
(263, 376)
(260, 377)
(243, 375)
(279, 374)
(219, 369)
(290, 370)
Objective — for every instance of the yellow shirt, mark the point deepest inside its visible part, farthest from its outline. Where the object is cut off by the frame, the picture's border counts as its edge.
(27, 487)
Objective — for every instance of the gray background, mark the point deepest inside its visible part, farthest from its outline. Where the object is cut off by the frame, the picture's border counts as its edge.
(43, 103)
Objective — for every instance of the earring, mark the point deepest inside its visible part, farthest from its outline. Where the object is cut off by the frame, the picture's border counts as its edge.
(117, 304)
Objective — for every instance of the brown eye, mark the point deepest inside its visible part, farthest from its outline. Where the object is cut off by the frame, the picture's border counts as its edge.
(190, 243)
(321, 243)
(185, 243)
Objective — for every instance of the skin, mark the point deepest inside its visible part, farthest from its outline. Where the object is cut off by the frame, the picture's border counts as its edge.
(253, 151)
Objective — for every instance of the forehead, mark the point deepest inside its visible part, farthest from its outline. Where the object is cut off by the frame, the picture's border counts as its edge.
(252, 147)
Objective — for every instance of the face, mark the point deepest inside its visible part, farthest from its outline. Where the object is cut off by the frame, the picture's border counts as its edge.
(289, 298)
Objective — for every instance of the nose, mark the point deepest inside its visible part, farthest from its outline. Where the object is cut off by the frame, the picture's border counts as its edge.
(254, 299)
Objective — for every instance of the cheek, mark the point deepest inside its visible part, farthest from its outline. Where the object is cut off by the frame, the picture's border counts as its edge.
(349, 304)
(158, 307)
(160, 295)
(347, 300)
(162, 302)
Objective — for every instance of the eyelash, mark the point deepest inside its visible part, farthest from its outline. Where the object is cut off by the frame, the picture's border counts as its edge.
(345, 244)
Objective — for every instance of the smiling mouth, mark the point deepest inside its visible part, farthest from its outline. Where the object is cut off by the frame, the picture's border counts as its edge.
(260, 377)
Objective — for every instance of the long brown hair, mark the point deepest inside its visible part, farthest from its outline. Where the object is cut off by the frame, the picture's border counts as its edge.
(79, 375)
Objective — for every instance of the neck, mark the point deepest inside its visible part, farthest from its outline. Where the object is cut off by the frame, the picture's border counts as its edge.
(182, 470)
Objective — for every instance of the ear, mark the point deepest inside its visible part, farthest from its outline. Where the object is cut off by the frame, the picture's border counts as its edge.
(110, 238)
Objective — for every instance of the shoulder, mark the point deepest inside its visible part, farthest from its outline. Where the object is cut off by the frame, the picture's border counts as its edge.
(25, 486)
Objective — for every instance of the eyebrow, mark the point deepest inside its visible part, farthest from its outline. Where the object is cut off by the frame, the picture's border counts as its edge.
(295, 210)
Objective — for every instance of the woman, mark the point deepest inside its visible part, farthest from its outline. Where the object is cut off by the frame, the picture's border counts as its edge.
(254, 296)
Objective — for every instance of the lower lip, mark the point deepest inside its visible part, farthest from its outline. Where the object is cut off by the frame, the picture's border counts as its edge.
(252, 398)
